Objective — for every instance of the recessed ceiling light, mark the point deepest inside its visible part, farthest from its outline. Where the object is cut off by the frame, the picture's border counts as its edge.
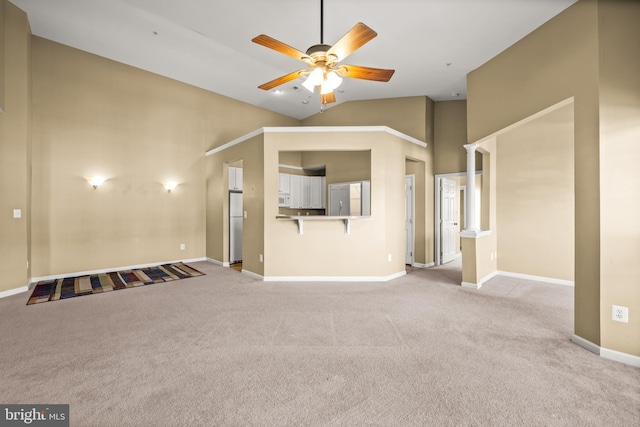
(277, 91)
(455, 94)
(305, 102)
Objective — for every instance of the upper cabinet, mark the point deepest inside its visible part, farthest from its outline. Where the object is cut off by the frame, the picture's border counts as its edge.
(306, 192)
(316, 189)
(235, 178)
(283, 183)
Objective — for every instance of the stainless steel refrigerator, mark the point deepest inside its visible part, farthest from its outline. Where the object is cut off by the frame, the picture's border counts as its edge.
(235, 226)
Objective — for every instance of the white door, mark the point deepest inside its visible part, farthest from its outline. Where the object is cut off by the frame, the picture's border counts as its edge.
(408, 221)
(447, 219)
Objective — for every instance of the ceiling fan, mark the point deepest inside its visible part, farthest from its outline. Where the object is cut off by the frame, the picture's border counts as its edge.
(322, 60)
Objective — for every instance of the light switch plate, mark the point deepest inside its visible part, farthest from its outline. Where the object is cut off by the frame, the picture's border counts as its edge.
(17, 213)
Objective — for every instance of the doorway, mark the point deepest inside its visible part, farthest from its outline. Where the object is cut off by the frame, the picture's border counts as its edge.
(448, 224)
(235, 214)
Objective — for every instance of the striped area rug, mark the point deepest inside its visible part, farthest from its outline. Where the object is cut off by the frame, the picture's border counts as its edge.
(69, 287)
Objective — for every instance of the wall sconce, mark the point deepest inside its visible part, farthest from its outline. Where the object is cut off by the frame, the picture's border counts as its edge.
(170, 186)
(96, 181)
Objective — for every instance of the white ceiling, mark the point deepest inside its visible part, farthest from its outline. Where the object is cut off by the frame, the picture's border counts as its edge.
(432, 44)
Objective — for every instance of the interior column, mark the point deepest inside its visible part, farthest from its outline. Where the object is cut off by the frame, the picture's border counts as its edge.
(471, 187)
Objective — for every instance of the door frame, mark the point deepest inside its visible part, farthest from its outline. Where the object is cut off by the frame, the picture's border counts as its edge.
(436, 223)
(412, 231)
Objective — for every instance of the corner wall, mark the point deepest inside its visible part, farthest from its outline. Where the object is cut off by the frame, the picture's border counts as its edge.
(413, 116)
(619, 42)
(15, 87)
(93, 116)
(586, 52)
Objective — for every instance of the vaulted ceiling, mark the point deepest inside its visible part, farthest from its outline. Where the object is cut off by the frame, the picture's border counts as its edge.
(432, 44)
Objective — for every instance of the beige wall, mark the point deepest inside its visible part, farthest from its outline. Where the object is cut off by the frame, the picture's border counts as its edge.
(620, 172)
(557, 61)
(2, 54)
(450, 136)
(535, 199)
(413, 116)
(324, 249)
(95, 116)
(15, 86)
(583, 53)
(251, 153)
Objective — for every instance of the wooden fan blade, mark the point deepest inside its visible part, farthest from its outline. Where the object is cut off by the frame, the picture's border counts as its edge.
(278, 46)
(284, 79)
(352, 41)
(365, 73)
(328, 98)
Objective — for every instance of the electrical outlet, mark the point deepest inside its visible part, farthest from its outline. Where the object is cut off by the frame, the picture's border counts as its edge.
(620, 314)
(261, 259)
(389, 257)
(183, 246)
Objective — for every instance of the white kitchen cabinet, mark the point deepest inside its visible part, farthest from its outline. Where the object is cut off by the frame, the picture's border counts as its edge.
(235, 178)
(284, 183)
(315, 192)
(295, 190)
(306, 192)
(323, 192)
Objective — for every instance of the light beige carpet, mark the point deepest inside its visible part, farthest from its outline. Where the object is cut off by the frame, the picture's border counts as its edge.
(225, 350)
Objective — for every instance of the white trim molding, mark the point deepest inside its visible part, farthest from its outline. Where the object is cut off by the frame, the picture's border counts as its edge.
(586, 344)
(334, 278)
(538, 278)
(480, 282)
(627, 359)
(420, 265)
(15, 291)
(253, 275)
(474, 234)
(616, 356)
(307, 129)
(216, 262)
(299, 168)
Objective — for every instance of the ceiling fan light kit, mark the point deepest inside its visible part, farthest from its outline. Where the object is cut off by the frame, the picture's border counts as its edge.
(323, 59)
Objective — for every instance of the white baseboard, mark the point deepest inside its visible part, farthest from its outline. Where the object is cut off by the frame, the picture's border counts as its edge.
(253, 275)
(419, 265)
(215, 261)
(627, 359)
(537, 278)
(470, 285)
(15, 291)
(334, 278)
(108, 270)
(616, 356)
(480, 282)
(586, 344)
